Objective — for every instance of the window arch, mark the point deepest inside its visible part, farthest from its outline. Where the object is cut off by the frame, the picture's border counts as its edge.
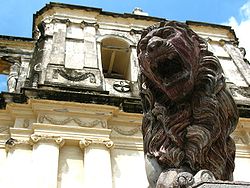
(115, 54)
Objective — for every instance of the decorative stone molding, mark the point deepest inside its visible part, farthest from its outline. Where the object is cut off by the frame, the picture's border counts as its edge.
(26, 123)
(134, 31)
(38, 67)
(130, 132)
(11, 143)
(76, 76)
(241, 138)
(57, 20)
(240, 90)
(2, 129)
(91, 24)
(47, 138)
(87, 141)
(80, 123)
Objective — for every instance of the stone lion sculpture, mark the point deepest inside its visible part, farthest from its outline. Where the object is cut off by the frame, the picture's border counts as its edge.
(188, 112)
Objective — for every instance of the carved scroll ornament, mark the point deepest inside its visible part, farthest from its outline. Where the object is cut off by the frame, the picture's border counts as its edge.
(103, 141)
(11, 143)
(35, 138)
(188, 113)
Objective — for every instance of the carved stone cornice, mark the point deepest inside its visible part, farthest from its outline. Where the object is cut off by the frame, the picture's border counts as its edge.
(11, 143)
(47, 138)
(99, 141)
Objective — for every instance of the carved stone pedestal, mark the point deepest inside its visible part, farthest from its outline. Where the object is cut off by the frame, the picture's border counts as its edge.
(203, 179)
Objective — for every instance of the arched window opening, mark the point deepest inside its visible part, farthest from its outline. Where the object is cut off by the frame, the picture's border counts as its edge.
(115, 58)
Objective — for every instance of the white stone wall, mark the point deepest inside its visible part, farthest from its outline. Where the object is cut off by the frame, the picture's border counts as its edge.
(60, 144)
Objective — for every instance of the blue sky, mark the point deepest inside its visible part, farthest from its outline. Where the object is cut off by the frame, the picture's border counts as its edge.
(16, 15)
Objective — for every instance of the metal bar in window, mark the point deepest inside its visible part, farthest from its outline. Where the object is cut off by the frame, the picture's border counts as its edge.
(112, 59)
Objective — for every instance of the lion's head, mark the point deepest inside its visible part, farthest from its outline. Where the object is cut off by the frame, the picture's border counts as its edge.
(169, 57)
(188, 113)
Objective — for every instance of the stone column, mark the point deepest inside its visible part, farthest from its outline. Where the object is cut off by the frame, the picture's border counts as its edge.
(97, 163)
(18, 164)
(3, 160)
(45, 160)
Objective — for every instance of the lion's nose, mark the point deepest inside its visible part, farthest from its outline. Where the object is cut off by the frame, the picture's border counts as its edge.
(154, 43)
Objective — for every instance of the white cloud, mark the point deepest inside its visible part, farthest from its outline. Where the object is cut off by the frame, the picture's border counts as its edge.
(242, 28)
(245, 10)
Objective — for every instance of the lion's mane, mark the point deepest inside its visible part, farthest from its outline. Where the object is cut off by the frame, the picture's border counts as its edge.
(193, 130)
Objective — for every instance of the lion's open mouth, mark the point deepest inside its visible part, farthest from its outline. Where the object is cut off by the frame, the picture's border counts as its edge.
(170, 69)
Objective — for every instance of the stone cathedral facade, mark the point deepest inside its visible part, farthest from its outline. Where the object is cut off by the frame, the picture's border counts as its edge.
(72, 114)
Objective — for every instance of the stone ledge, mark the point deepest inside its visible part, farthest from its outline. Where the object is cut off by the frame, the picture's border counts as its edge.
(222, 184)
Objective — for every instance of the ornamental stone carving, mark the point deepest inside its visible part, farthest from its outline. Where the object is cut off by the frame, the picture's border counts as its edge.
(122, 86)
(130, 132)
(35, 138)
(103, 141)
(76, 76)
(67, 120)
(11, 143)
(188, 112)
(89, 24)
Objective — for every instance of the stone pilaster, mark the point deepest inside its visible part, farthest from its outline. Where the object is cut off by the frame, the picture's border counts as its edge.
(238, 60)
(89, 31)
(45, 159)
(3, 160)
(18, 165)
(97, 163)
